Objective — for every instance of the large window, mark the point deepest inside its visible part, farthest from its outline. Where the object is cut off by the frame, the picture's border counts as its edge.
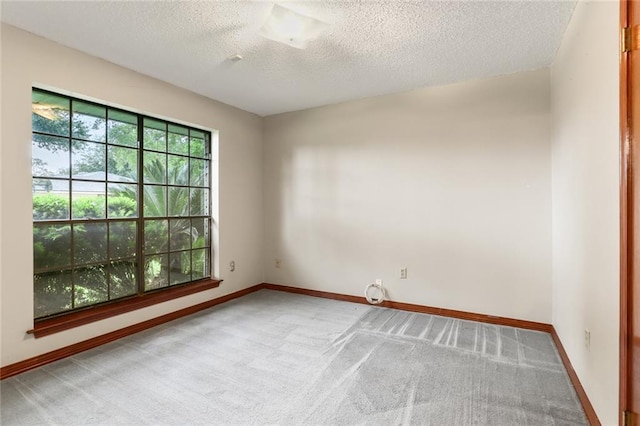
(120, 204)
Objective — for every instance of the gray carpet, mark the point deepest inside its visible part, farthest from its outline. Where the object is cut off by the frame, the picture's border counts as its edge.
(279, 358)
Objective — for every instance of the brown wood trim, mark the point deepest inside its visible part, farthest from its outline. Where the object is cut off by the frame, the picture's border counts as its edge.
(592, 417)
(47, 326)
(67, 351)
(626, 214)
(315, 293)
(510, 322)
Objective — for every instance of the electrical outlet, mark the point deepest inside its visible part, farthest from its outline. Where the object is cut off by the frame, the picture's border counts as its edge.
(232, 265)
(403, 273)
(278, 263)
(587, 339)
(379, 281)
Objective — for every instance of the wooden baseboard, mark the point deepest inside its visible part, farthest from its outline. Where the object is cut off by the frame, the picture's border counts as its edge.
(592, 417)
(67, 351)
(510, 322)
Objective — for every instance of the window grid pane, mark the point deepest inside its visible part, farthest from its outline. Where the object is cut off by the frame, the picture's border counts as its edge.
(177, 191)
(120, 203)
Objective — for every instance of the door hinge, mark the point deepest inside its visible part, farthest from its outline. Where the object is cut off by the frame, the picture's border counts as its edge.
(628, 418)
(629, 38)
(625, 43)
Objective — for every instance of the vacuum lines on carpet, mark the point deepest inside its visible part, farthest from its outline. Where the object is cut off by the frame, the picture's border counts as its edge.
(278, 358)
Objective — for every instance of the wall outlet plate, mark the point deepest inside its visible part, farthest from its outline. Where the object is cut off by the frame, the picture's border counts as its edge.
(587, 339)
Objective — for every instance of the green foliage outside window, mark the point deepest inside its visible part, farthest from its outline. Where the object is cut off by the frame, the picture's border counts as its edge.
(90, 211)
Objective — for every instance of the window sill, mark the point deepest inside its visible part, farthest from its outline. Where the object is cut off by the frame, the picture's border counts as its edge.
(47, 326)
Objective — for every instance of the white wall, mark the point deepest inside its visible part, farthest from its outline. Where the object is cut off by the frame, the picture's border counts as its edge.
(28, 59)
(585, 147)
(452, 182)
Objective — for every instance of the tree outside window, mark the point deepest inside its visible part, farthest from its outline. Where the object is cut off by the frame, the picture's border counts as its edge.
(114, 217)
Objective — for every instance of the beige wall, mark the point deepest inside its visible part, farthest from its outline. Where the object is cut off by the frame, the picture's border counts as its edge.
(28, 60)
(464, 185)
(585, 200)
(451, 182)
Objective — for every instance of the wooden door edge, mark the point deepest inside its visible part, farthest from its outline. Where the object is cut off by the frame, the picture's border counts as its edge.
(624, 216)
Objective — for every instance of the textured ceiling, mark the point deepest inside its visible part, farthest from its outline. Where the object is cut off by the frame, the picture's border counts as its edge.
(372, 48)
